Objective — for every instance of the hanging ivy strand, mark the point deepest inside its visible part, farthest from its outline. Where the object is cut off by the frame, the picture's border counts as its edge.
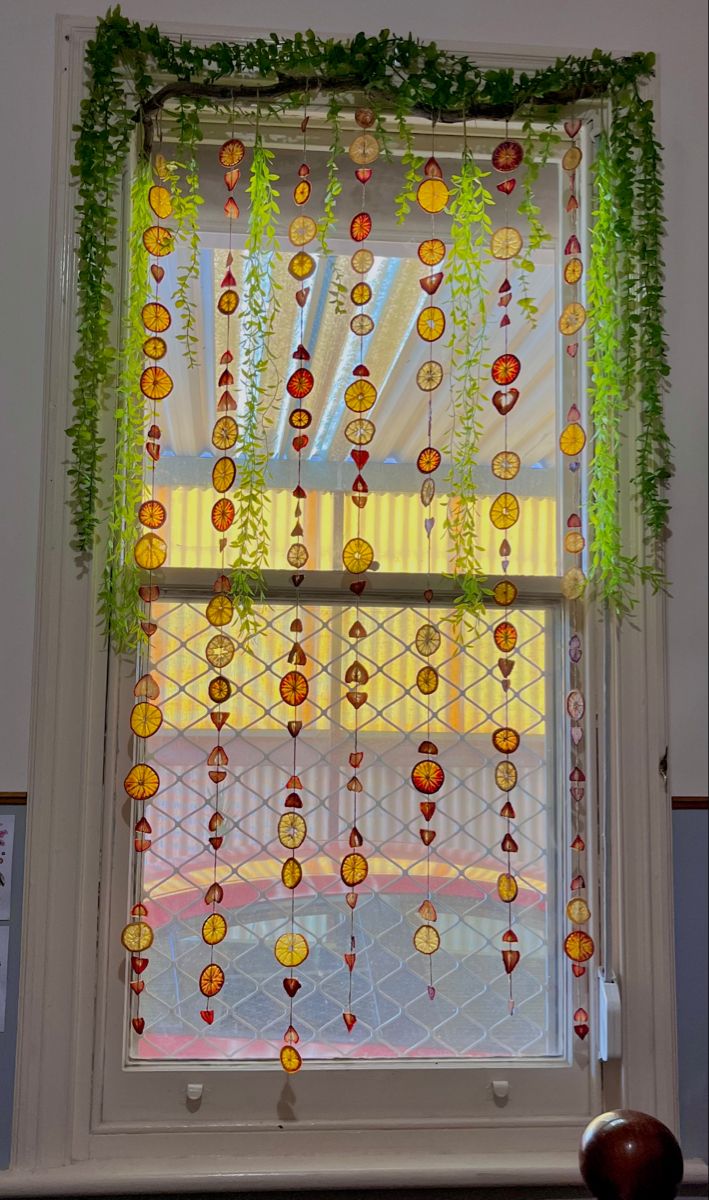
(136, 73)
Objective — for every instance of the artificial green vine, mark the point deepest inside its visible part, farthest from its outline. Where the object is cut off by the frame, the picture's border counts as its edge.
(186, 203)
(133, 71)
(119, 585)
(471, 227)
(538, 148)
(413, 171)
(260, 312)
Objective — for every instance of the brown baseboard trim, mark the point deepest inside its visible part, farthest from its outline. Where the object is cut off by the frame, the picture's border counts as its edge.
(696, 802)
(13, 797)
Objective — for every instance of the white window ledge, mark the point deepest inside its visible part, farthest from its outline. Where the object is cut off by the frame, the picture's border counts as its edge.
(118, 1176)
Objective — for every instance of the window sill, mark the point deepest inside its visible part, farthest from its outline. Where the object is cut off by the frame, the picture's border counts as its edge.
(121, 1177)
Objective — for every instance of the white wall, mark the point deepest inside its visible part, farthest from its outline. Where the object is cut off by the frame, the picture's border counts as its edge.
(676, 31)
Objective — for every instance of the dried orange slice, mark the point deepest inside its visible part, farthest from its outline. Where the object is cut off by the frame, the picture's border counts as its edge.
(361, 293)
(506, 776)
(578, 946)
(225, 433)
(300, 418)
(572, 440)
(231, 153)
(155, 383)
(504, 511)
(228, 302)
(150, 551)
(223, 513)
(428, 776)
(573, 270)
(300, 383)
(223, 474)
(297, 555)
(154, 347)
(160, 201)
(291, 949)
(152, 514)
(360, 395)
(432, 195)
(506, 242)
(505, 636)
(429, 376)
(145, 719)
(428, 639)
(301, 191)
(574, 542)
(219, 690)
(302, 265)
(354, 869)
(431, 323)
(364, 149)
(578, 912)
(362, 324)
(291, 873)
(432, 251)
(357, 556)
(504, 592)
(506, 464)
(158, 241)
(220, 610)
(292, 830)
(507, 888)
(428, 460)
(506, 740)
(211, 981)
(156, 317)
(362, 261)
(137, 937)
(220, 650)
(360, 432)
(214, 929)
(427, 939)
(141, 782)
(505, 369)
(293, 688)
(427, 681)
(507, 156)
(572, 318)
(302, 230)
(291, 1060)
(572, 158)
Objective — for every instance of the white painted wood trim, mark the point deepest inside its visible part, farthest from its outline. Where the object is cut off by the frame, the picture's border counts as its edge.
(59, 973)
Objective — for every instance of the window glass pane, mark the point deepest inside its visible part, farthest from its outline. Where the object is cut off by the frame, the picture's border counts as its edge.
(469, 1016)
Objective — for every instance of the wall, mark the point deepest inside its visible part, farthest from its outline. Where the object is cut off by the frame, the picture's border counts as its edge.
(677, 32)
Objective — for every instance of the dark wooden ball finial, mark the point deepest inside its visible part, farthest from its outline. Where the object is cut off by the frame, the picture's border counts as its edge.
(628, 1155)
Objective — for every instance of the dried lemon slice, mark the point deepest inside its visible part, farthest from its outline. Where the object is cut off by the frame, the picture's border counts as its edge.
(220, 650)
(292, 830)
(504, 511)
(506, 776)
(432, 195)
(150, 551)
(357, 556)
(572, 440)
(290, 1059)
(431, 323)
(362, 261)
(220, 610)
(302, 230)
(360, 396)
(291, 873)
(506, 464)
(302, 265)
(572, 318)
(428, 639)
(427, 680)
(427, 939)
(429, 376)
(354, 869)
(225, 433)
(364, 149)
(291, 949)
(137, 937)
(573, 270)
(214, 929)
(506, 242)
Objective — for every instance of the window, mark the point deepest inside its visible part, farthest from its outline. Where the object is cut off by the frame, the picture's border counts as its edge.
(119, 1106)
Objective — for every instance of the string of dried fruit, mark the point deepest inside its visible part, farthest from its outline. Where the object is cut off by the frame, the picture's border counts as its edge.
(578, 944)
(428, 775)
(142, 781)
(220, 647)
(292, 948)
(506, 243)
(357, 553)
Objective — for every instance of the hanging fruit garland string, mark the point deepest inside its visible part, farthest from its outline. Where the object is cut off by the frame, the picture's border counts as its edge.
(578, 944)
(142, 781)
(292, 948)
(428, 775)
(220, 647)
(506, 243)
(357, 554)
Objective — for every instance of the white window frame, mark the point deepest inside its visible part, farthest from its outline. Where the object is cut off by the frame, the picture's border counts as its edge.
(59, 1121)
